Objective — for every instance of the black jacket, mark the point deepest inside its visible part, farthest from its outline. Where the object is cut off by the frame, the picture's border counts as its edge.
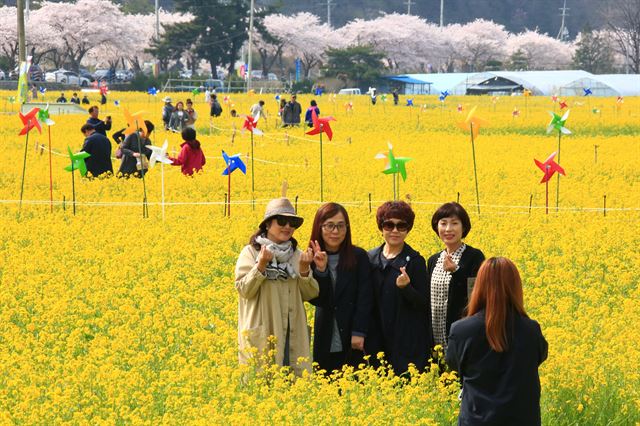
(129, 147)
(100, 149)
(401, 320)
(469, 264)
(498, 388)
(350, 305)
(100, 126)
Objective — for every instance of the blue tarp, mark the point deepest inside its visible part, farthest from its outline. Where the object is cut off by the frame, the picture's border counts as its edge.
(407, 80)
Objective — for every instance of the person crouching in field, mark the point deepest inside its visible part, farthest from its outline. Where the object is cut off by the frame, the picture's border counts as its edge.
(191, 157)
(273, 279)
(497, 350)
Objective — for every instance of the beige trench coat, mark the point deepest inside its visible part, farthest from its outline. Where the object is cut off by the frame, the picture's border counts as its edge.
(264, 306)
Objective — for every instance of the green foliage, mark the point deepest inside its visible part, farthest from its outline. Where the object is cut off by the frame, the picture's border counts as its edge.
(593, 53)
(304, 86)
(142, 81)
(358, 65)
(518, 61)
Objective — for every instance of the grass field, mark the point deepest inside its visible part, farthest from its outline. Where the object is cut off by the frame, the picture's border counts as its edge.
(106, 317)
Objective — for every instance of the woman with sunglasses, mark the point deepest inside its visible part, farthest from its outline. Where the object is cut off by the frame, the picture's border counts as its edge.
(273, 279)
(497, 350)
(451, 272)
(401, 325)
(344, 305)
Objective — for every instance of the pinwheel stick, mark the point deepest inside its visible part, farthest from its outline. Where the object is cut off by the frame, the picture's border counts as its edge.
(24, 165)
(73, 187)
(547, 190)
(50, 172)
(253, 186)
(229, 190)
(145, 208)
(558, 185)
(475, 168)
(321, 168)
(162, 187)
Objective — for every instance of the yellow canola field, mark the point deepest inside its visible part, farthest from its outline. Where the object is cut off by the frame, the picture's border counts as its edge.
(107, 317)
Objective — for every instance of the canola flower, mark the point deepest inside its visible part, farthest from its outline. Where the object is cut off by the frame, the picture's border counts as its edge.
(107, 317)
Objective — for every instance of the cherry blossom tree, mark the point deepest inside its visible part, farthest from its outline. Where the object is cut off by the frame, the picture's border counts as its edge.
(540, 51)
(476, 43)
(9, 35)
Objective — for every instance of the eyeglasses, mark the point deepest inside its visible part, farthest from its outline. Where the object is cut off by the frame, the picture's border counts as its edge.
(330, 226)
(293, 222)
(388, 225)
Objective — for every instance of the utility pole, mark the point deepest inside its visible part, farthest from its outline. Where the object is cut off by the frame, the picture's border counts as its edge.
(330, 4)
(250, 46)
(157, 22)
(441, 13)
(563, 34)
(409, 3)
(22, 49)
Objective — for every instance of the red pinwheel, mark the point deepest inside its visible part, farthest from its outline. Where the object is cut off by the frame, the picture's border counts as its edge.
(321, 125)
(563, 105)
(549, 167)
(251, 124)
(30, 121)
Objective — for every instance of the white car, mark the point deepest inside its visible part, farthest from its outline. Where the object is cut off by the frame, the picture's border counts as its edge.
(2, 75)
(66, 77)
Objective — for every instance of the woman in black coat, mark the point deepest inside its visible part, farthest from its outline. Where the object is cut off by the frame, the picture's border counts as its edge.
(451, 272)
(400, 325)
(133, 149)
(343, 307)
(497, 350)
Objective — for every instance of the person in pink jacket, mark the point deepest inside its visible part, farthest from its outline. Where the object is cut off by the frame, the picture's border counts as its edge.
(191, 157)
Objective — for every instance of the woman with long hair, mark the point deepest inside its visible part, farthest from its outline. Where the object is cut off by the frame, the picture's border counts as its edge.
(497, 350)
(344, 305)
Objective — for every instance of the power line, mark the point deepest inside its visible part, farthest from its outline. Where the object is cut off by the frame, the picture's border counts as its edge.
(409, 3)
(563, 34)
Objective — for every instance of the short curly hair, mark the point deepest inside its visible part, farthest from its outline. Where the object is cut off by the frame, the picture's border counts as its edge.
(395, 210)
(450, 210)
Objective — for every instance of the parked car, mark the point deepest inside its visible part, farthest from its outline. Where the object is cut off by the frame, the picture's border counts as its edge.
(351, 91)
(186, 74)
(66, 77)
(256, 75)
(35, 73)
(2, 75)
(272, 77)
(213, 84)
(108, 75)
(124, 75)
(86, 74)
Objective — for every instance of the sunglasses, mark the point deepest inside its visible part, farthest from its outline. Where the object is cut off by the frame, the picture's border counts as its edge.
(388, 225)
(293, 222)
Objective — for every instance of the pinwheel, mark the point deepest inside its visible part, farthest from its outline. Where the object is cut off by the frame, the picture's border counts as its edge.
(251, 124)
(30, 121)
(77, 163)
(563, 105)
(587, 91)
(459, 108)
(195, 92)
(549, 167)
(515, 113)
(277, 97)
(104, 89)
(395, 166)
(152, 91)
(473, 124)
(443, 95)
(42, 90)
(135, 122)
(383, 97)
(348, 107)
(232, 163)
(557, 123)
(554, 98)
(43, 116)
(159, 154)
(595, 110)
(11, 99)
(494, 101)
(409, 102)
(116, 103)
(320, 126)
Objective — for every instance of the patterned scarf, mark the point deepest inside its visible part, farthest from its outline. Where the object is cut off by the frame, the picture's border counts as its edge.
(279, 268)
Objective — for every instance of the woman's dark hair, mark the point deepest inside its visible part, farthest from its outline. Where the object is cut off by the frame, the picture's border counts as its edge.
(262, 231)
(497, 290)
(188, 134)
(450, 210)
(150, 127)
(395, 210)
(347, 255)
(313, 103)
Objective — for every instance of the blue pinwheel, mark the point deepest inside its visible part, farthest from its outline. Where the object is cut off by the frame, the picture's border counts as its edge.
(233, 162)
(409, 102)
(443, 95)
(116, 103)
(277, 97)
(152, 91)
(42, 90)
(587, 91)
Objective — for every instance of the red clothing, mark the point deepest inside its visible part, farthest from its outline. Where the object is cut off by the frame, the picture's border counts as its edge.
(190, 158)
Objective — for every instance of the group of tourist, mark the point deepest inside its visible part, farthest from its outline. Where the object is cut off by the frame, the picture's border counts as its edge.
(177, 118)
(132, 150)
(391, 300)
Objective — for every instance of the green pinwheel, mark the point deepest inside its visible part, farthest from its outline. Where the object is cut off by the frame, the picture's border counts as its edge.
(395, 166)
(557, 123)
(77, 162)
(43, 116)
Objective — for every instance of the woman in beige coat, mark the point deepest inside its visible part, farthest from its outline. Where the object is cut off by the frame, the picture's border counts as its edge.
(273, 281)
